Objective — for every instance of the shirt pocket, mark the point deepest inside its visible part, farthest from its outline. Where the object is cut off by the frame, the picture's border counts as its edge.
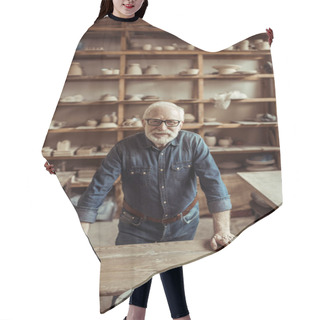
(192, 215)
(138, 176)
(181, 170)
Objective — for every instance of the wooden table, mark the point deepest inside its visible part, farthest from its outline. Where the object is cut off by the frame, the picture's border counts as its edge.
(267, 184)
(128, 266)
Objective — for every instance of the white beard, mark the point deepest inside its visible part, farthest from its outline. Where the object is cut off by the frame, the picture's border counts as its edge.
(162, 141)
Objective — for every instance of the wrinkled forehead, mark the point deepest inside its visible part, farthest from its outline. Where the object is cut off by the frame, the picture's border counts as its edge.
(164, 112)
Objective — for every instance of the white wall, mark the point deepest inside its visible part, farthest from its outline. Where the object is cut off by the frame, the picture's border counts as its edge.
(48, 269)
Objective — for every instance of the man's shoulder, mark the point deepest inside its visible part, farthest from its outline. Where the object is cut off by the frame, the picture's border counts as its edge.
(132, 140)
(189, 136)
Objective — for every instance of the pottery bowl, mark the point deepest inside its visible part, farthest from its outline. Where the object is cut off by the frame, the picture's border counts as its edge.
(192, 71)
(225, 142)
(210, 140)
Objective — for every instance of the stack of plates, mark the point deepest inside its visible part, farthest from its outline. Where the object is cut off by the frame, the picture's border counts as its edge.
(46, 151)
(263, 162)
(86, 174)
(150, 98)
(107, 125)
(69, 152)
(86, 150)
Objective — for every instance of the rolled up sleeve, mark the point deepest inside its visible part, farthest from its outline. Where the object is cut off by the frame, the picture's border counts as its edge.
(211, 183)
(102, 182)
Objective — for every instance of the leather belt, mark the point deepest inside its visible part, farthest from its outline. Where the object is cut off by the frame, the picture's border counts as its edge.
(168, 220)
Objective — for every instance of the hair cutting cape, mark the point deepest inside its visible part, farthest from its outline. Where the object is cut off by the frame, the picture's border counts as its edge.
(118, 70)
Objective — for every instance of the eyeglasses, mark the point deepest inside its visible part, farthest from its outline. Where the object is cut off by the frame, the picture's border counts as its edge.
(158, 122)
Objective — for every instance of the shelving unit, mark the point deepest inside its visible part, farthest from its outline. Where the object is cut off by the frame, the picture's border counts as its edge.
(119, 54)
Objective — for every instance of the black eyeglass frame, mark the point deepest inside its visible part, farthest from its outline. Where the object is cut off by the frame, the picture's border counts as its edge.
(161, 121)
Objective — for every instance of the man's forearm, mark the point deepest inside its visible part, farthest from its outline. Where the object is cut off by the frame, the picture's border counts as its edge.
(221, 222)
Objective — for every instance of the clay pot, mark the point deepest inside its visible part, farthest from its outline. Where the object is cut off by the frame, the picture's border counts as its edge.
(91, 123)
(63, 145)
(189, 117)
(106, 118)
(210, 140)
(152, 69)
(75, 69)
(225, 142)
(134, 69)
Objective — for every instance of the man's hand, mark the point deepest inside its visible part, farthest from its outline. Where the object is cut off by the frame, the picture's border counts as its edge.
(50, 168)
(220, 240)
(221, 230)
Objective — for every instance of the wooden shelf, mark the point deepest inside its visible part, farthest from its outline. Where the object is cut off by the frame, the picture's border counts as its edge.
(255, 77)
(214, 150)
(250, 54)
(240, 125)
(243, 149)
(186, 126)
(199, 104)
(147, 102)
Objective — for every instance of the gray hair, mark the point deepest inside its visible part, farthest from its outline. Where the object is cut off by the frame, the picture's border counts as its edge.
(160, 104)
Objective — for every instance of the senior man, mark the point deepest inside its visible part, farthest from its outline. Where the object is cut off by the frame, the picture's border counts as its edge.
(159, 170)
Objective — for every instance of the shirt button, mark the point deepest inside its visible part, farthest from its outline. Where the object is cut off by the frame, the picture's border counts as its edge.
(178, 168)
(162, 153)
(164, 202)
(162, 187)
(161, 169)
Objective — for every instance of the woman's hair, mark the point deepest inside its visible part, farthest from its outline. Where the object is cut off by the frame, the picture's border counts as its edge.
(106, 7)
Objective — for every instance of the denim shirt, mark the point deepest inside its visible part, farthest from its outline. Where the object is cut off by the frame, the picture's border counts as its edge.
(158, 183)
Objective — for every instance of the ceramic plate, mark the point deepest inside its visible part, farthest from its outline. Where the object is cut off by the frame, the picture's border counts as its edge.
(227, 66)
(260, 163)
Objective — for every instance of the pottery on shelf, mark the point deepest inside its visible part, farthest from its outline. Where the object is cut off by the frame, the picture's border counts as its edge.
(189, 117)
(135, 121)
(91, 123)
(106, 118)
(225, 142)
(210, 119)
(244, 45)
(107, 125)
(134, 69)
(264, 45)
(147, 46)
(106, 71)
(109, 97)
(152, 70)
(210, 140)
(113, 117)
(63, 145)
(75, 98)
(227, 69)
(134, 97)
(192, 71)
(75, 69)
